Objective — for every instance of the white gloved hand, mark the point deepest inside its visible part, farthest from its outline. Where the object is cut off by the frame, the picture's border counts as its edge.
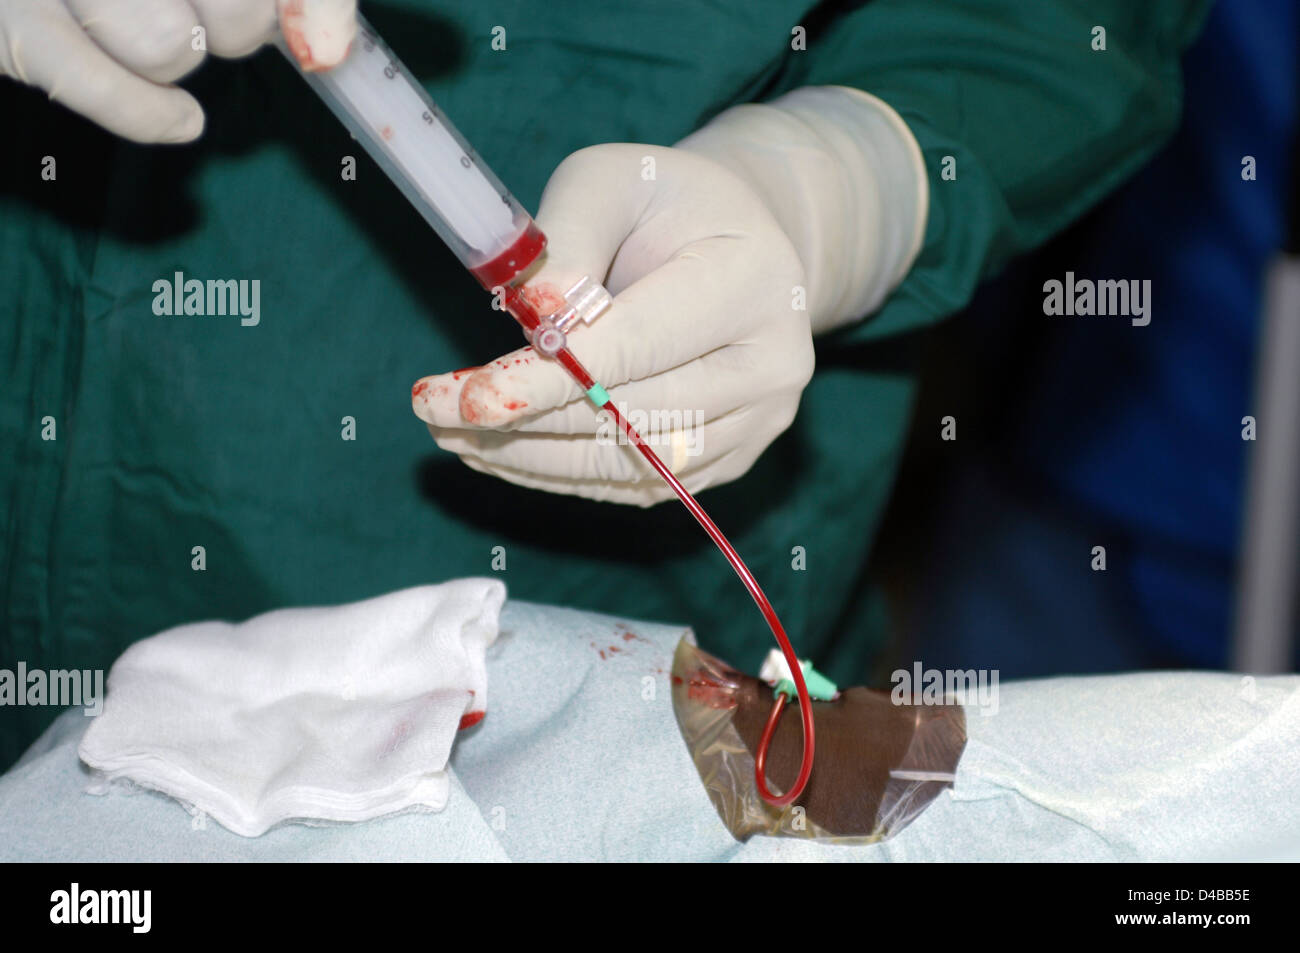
(725, 255)
(116, 61)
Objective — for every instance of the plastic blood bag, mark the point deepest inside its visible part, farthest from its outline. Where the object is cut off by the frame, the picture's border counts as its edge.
(879, 764)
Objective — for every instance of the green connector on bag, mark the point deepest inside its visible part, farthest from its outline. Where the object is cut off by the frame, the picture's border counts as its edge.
(820, 688)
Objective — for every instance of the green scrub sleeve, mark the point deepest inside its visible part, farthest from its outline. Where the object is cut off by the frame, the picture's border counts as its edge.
(1024, 125)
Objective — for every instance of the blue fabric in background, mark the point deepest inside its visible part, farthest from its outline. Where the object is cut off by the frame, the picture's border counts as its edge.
(1140, 427)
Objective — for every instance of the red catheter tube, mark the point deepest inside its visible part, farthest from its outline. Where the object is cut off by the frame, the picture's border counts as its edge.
(529, 319)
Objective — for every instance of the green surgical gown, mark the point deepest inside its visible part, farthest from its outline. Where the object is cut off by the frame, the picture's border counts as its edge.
(177, 432)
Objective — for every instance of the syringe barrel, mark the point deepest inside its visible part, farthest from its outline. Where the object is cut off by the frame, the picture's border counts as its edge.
(399, 125)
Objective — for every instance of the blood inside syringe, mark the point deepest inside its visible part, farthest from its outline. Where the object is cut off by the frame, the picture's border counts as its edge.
(500, 274)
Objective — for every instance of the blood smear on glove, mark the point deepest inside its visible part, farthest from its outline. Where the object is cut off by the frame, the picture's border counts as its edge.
(331, 25)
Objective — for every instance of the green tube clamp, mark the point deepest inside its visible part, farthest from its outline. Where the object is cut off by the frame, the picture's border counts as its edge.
(820, 687)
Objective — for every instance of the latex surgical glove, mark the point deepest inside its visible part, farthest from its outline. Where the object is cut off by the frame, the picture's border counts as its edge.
(725, 254)
(116, 61)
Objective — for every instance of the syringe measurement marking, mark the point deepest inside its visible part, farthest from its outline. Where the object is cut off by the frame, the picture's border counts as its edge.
(417, 158)
(390, 72)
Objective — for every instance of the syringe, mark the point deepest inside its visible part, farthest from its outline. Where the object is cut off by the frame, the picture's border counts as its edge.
(398, 124)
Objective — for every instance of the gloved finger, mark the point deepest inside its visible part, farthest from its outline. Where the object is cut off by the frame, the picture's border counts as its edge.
(236, 27)
(711, 386)
(675, 314)
(641, 493)
(73, 70)
(682, 441)
(545, 455)
(707, 388)
(646, 491)
(154, 38)
(319, 32)
(436, 399)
